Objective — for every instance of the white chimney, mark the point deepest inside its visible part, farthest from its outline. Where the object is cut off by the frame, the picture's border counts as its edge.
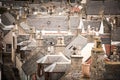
(60, 41)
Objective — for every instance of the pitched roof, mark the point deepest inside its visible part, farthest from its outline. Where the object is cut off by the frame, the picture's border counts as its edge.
(6, 29)
(24, 43)
(1, 25)
(6, 32)
(22, 38)
(30, 66)
(25, 26)
(111, 7)
(106, 40)
(115, 34)
(93, 24)
(7, 19)
(58, 67)
(78, 41)
(86, 51)
(49, 59)
(31, 44)
(51, 23)
(48, 39)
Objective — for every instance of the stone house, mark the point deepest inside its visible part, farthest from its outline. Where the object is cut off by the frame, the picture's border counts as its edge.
(47, 61)
(56, 70)
(75, 69)
(29, 67)
(109, 8)
(75, 43)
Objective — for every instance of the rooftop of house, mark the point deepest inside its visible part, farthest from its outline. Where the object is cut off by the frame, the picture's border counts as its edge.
(110, 7)
(30, 45)
(30, 66)
(58, 67)
(52, 22)
(78, 41)
(86, 51)
(49, 59)
(6, 29)
(93, 24)
(22, 38)
(7, 19)
(115, 34)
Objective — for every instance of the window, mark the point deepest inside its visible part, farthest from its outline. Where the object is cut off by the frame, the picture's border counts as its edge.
(8, 47)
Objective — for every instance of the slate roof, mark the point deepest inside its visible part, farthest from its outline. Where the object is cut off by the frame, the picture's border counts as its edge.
(58, 67)
(25, 26)
(21, 38)
(93, 24)
(49, 59)
(116, 34)
(23, 43)
(52, 22)
(78, 41)
(2, 28)
(25, 48)
(106, 40)
(48, 39)
(30, 66)
(31, 44)
(7, 19)
(6, 32)
(110, 7)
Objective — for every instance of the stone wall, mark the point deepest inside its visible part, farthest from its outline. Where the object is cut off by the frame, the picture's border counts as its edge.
(76, 61)
(112, 71)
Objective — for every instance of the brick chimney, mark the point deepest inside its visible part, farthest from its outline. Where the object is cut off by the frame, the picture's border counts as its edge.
(76, 62)
(97, 66)
(60, 46)
(39, 39)
(32, 33)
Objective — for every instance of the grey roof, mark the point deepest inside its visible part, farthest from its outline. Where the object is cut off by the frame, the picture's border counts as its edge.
(79, 41)
(6, 29)
(116, 34)
(31, 44)
(26, 48)
(49, 39)
(21, 38)
(7, 19)
(58, 67)
(2, 26)
(106, 40)
(93, 24)
(23, 43)
(73, 75)
(111, 7)
(30, 66)
(6, 32)
(49, 59)
(25, 26)
(52, 22)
